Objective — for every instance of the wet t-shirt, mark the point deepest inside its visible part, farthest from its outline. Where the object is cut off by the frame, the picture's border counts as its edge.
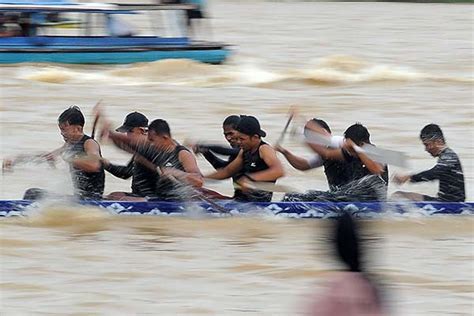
(448, 171)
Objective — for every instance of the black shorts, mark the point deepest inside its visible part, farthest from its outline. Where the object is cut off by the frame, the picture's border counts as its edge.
(430, 198)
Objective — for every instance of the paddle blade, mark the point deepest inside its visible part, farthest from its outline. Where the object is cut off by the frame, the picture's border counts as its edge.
(380, 155)
(386, 156)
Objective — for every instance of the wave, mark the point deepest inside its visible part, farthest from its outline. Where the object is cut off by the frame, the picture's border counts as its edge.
(331, 70)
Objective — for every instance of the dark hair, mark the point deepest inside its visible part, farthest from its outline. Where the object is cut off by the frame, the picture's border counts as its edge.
(72, 116)
(231, 121)
(358, 133)
(322, 123)
(348, 242)
(160, 127)
(431, 132)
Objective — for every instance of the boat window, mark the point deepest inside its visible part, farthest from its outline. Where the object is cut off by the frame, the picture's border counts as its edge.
(162, 23)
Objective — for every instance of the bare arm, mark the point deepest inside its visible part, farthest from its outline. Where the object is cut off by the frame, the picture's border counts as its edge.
(92, 149)
(296, 162)
(124, 142)
(372, 166)
(275, 168)
(230, 170)
(327, 153)
(192, 174)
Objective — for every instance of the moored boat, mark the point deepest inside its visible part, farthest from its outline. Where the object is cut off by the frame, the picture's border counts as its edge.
(279, 209)
(100, 34)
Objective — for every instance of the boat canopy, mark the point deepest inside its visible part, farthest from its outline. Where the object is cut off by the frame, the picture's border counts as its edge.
(96, 19)
(107, 8)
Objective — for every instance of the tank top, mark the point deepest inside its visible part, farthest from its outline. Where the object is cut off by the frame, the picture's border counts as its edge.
(168, 189)
(252, 162)
(336, 174)
(87, 185)
(356, 170)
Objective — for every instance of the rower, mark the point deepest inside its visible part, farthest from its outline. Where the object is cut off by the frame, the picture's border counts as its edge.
(334, 170)
(448, 170)
(143, 180)
(231, 135)
(87, 174)
(367, 179)
(177, 165)
(256, 161)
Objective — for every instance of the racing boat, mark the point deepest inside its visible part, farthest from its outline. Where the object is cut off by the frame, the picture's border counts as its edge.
(229, 208)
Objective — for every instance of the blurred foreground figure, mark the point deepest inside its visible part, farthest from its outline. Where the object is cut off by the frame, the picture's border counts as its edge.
(349, 293)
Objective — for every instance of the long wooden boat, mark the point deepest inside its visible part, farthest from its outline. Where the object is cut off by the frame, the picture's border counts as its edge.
(229, 208)
(93, 41)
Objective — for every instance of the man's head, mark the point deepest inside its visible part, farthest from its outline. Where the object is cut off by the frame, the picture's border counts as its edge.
(135, 124)
(358, 133)
(230, 133)
(159, 133)
(319, 122)
(433, 139)
(250, 133)
(71, 123)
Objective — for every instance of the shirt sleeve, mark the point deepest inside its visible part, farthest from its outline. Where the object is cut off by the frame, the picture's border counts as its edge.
(432, 174)
(222, 150)
(123, 172)
(215, 161)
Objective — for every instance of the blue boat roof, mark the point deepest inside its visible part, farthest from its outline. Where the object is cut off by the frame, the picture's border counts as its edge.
(33, 2)
(69, 6)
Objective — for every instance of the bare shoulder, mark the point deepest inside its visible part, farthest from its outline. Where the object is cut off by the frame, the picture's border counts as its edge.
(91, 143)
(266, 149)
(185, 154)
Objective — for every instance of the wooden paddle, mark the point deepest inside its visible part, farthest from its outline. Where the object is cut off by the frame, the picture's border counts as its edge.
(269, 187)
(8, 164)
(260, 185)
(292, 114)
(152, 167)
(97, 117)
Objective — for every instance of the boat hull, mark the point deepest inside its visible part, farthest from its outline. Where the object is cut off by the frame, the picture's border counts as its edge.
(212, 55)
(279, 209)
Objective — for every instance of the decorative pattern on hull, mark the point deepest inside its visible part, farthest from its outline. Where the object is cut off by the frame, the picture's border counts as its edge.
(279, 209)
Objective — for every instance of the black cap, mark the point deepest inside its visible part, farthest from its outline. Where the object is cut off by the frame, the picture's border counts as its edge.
(133, 120)
(249, 125)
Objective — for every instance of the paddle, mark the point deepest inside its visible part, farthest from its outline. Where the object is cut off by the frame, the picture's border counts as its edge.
(96, 119)
(262, 186)
(139, 158)
(8, 164)
(290, 118)
(377, 154)
(269, 187)
(148, 164)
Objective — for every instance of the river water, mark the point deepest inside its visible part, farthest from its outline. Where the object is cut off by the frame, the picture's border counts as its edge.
(394, 67)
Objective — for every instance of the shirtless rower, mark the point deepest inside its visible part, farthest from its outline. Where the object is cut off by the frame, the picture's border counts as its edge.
(256, 161)
(143, 180)
(448, 170)
(177, 166)
(87, 174)
(367, 179)
(334, 170)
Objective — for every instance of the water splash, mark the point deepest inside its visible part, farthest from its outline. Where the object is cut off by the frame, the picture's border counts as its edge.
(331, 70)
